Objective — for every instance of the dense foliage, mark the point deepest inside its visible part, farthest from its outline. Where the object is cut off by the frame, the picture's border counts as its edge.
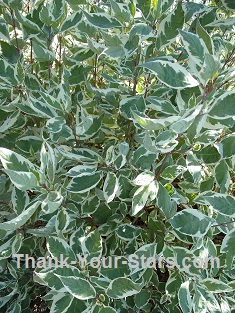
(117, 138)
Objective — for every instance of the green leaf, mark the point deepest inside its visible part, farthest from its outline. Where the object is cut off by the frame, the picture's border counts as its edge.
(62, 221)
(194, 46)
(228, 4)
(44, 231)
(3, 181)
(142, 30)
(223, 106)
(90, 205)
(213, 123)
(144, 179)
(121, 11)
(9, 122)
(121, 288)
(79, 170)
(228, 247)
(191, 222)
(193, 8)
(164, 202)
(7, 298)
(186, 120)
(80, 155)
(121, 268)
(77, 306)
(14, 161)
(110, 187)
(223, 203)
(9, 52)
(41, 108)
(130, 47)
(171, 172)
(115, 52)
(84, 183)
(71, 21)
(46, 16)
(21, 219)
(57, 247)
(224, 305)
(61, 302)
(193, 167)
(92, 244)
(184, 297)
(142, 298)
(166, 141)
(51, 163)
(90, 126)
(171, 74)
(27, 22)
(163, 105)
(202, 33)
(19, 199)
(139, 199)
(83, 54)
(78, 287)
(127, 232)
(19, 73)
(47, 276)
(55, 124)
(14, 307)
(101, 20)
(8, 74)
(215, 285)
(58, 9)
(22, 180)
(52, 12)
(11, 246)
(136, 103)
(153, 124)
(180, 255)
(143, 159)
(4, 33)
(51, 101)
(210, 68)
(227, 146)
(143, 253)
(209, 155)
(204, 301)
(42, 54)
(168, 27)
(222, 176)
(223, 22)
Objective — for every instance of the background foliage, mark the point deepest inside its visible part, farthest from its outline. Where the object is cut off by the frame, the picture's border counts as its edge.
(117, 137)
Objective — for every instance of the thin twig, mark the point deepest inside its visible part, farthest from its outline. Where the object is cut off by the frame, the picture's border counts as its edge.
(136, 74)
(48, 46)
(181, 151)
(31, 54)
(60, 57)
(162, 165)
(223, 224)
(228, 58)
(95, 70)
(147, 85)
(179, 56)
(14, 26)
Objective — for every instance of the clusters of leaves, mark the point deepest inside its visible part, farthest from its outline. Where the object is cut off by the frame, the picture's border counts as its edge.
(117, 138)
